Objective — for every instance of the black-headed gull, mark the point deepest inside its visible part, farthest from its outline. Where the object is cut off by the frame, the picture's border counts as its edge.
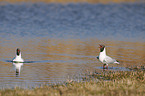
(18, 58)
(104, 58)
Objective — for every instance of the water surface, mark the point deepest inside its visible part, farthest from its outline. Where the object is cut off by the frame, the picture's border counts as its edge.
(61, 41)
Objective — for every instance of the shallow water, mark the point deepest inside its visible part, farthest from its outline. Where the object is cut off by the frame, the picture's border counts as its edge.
(60, 42)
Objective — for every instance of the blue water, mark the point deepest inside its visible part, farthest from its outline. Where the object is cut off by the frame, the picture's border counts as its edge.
(55, 40)
(125, 21)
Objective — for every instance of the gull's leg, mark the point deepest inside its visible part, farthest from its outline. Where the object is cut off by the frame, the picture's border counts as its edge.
(104, 66)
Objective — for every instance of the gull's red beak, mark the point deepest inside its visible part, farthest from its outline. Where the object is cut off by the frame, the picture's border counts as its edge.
(99, 46)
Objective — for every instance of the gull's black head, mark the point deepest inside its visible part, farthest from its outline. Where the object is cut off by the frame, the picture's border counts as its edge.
(18, 51)
(102, 48)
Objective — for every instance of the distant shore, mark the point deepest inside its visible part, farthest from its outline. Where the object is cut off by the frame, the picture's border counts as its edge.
(74, 1)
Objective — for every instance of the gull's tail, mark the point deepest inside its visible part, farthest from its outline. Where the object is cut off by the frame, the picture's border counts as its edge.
(116, 62)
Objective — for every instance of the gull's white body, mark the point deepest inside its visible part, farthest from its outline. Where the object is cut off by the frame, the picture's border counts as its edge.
(18, 59)
(106, 59)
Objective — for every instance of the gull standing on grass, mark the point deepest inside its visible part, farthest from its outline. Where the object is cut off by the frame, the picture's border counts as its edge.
(104, 58)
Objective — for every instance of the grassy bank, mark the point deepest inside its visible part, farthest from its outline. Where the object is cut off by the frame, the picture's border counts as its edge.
(101, 84)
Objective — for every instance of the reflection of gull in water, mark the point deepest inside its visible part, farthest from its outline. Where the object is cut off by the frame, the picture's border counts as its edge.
(17, 67)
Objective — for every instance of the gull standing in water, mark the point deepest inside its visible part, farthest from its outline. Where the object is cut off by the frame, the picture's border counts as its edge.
(18, 62)
(18, 58)
(104, 58)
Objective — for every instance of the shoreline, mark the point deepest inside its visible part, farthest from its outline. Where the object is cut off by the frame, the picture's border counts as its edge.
(106, 83)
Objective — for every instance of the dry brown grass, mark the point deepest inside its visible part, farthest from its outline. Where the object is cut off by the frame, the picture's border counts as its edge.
(109, 84)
